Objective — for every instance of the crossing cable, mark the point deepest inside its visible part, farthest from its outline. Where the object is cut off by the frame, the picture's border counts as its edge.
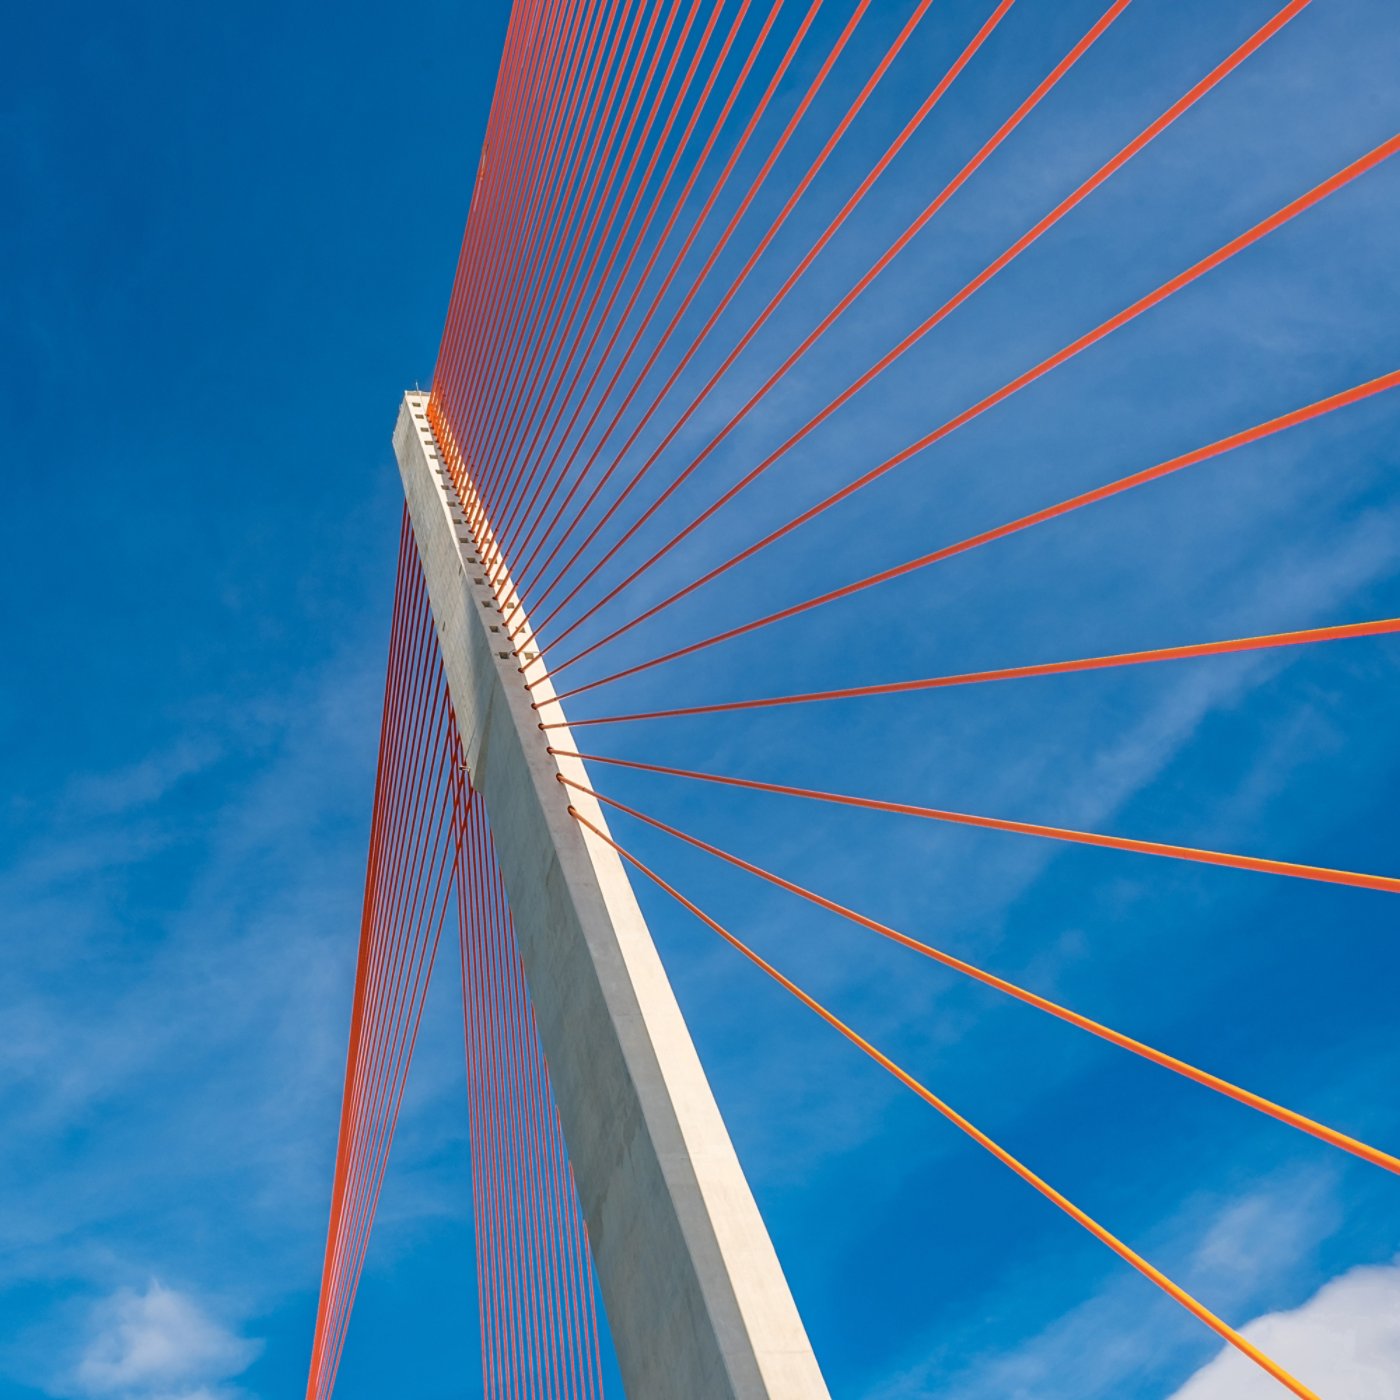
(1314, 196)
(544, 1117)
(482, 211)
(404, 925)
(546, 282)
(531, 480)
(461, 804)
(515, 1014)
(1387, 884)
(1006, 1158)
(1320, 408)
(521, 186)
(353, 1098)
(350, 1088)
(952, 303)
(507, 1309)
(527, 581)
(383, 1115)
(742, 208)
(417, 781)
(488, 1233)
(549, 354)
(491, 1128)
(639, 284)
(1294, 1119)
(518, 1261)
(542, 192)
(542, 1335)
(517, 470)
(940, 88)
(387, 852)
(527, 1157)
(398, 916)
(701, 218)
(545, 1300)
(578, 1257)
(409, 1037)
(702, 275)
(1380, 627)
(578, 157)
(515, 205)
(549, 1226)
(389, 1076)
(385, 931)
(545, 424)
(1065, 206)
(366, 1119)
(552, 1208)
(840, 130)
(516, 164)
(570, 1246)
(979, 158)
(511, 1314)
(687, 244)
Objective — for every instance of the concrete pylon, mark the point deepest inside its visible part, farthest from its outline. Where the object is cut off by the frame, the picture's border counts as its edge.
(695, 1297)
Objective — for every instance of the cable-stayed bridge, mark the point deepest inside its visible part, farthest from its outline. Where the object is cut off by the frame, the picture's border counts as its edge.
(695, 379)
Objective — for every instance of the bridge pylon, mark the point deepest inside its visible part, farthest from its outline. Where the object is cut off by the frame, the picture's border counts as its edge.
(696, 1300)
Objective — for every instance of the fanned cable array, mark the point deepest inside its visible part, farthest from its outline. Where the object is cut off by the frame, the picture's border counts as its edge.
(431, 855)
(678, 394)
(408, 891)
(539, 1321)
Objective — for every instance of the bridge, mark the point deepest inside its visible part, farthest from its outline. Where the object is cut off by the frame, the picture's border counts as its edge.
(695, 389)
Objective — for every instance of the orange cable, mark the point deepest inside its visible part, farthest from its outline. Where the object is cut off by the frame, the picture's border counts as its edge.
(1340, 632)
(1387, 883)
(1081, 1217)
(1332, 1136)
(1259, 431)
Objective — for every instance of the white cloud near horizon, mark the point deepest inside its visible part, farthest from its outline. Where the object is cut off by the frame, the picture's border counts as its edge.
(158, 1344)
(1344, 1342)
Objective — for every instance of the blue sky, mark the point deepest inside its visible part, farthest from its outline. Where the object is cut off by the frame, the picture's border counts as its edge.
(231, 242)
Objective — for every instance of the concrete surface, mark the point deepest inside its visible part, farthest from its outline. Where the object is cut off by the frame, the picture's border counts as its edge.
(695, 1296)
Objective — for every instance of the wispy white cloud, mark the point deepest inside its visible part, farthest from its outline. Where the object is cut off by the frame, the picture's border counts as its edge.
(1264, 1234)
(157, 1344)
(976, 902)
(203, 980)
(1111, 1343)
(1344, 1341)
(142, 783)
